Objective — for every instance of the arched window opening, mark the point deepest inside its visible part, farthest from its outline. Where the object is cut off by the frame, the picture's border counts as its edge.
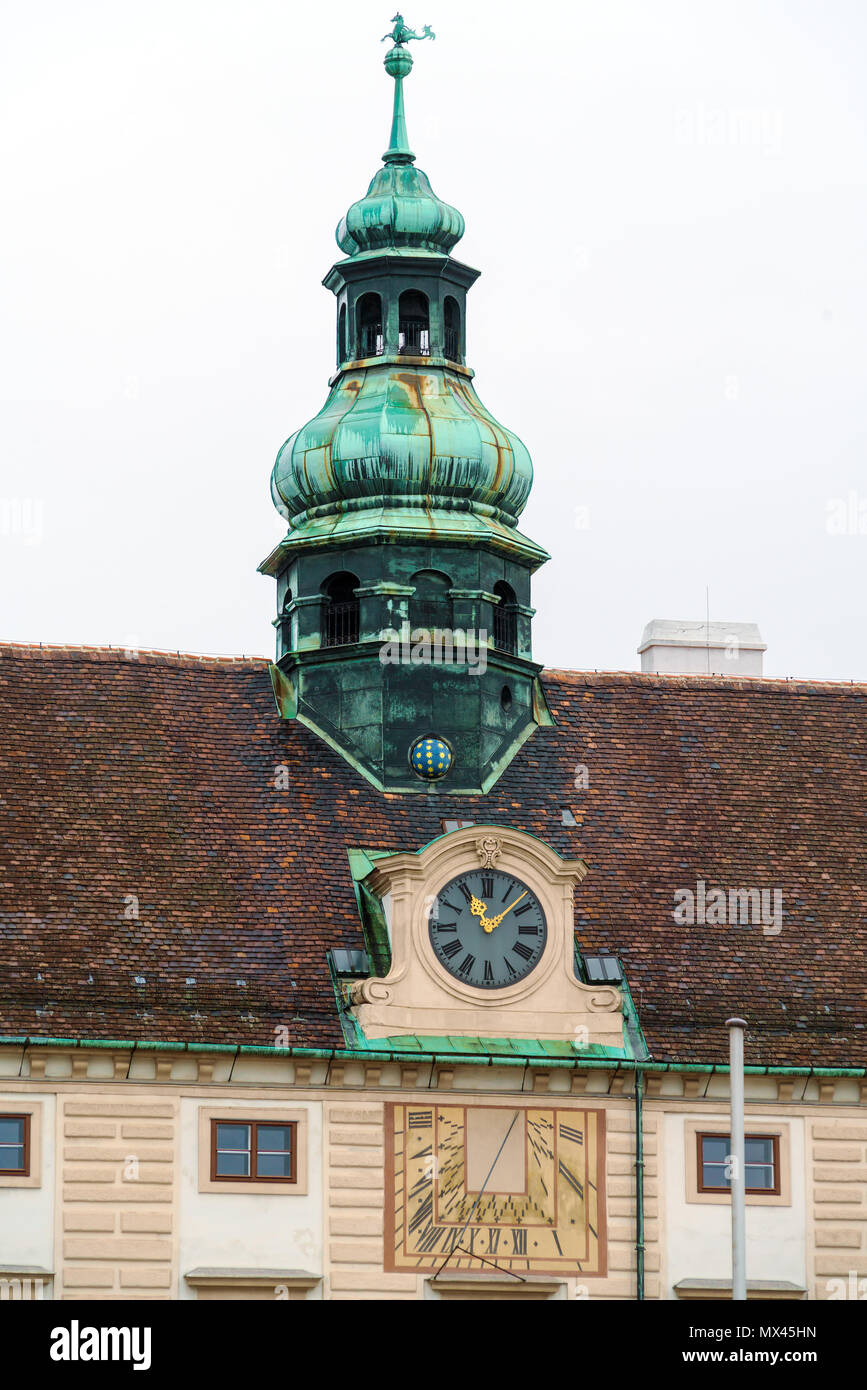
(414, 324)
(505, 618)
(341, 334)
(431, 605)
(368, 317)
(452, 329)
(287, 600)
(341, 610)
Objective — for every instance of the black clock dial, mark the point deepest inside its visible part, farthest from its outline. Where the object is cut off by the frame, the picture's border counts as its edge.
(487, 928)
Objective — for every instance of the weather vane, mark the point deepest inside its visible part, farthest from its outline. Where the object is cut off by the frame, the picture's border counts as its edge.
(400, 34)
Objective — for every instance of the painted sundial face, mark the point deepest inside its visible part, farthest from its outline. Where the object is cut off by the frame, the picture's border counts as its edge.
(487, 928)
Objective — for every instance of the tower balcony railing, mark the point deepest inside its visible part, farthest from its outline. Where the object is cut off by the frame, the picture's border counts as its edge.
(453, 344)
(414, 337)
(506, 630)
(371, 340)
(341, 624)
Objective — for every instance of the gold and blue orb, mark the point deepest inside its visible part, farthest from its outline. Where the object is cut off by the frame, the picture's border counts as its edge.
(430, 758)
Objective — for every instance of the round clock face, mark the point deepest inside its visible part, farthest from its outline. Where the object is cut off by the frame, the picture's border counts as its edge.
(488, 929)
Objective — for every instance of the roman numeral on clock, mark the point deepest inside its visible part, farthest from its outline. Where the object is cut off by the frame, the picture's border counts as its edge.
(521, 950)
(466, 892)
(525, 930)
(487, 887)
(489, 974)
(466, 964)
(447, 926)
(525, 907)
(452, 948)
(509, 966)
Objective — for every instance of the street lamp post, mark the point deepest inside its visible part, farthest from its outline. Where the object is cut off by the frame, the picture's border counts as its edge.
(737, 1180)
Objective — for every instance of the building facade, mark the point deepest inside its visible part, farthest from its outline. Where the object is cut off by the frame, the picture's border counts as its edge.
(399, 968)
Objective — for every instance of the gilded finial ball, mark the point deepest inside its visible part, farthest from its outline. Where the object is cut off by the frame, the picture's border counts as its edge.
(430, 758)
(398, 62)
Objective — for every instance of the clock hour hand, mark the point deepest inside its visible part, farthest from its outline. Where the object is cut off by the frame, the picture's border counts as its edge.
(477, 907)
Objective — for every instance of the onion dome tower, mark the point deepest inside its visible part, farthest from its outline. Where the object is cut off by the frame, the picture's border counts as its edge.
(403, 583)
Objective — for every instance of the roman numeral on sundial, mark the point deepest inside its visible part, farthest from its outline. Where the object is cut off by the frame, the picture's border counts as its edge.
(573, 1135)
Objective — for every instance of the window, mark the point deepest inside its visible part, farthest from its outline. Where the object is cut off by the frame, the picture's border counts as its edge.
(601, 968)
(253, 1143)
(505, 618)
(414, 324)
(452, 329)
(430, 606)
(253, 1151)
(368, 318)
(341, 334)
(15, 1145)
(341, 612)
(762, 1163)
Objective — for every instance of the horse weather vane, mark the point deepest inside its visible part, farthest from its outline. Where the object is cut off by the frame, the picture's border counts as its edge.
(401, 34)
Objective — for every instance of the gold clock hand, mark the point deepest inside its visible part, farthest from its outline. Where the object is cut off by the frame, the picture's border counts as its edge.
(478, 908)
(495, 921)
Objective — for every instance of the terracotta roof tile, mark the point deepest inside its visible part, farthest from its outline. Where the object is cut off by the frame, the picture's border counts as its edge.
(147, 785)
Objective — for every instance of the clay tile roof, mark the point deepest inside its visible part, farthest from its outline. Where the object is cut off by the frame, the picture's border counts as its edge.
(155, 884)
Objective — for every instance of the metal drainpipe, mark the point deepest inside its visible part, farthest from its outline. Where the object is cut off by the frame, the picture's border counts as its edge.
(639, 1188)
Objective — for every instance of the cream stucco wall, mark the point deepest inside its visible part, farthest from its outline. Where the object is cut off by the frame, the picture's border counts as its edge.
(698, 1234)
(27, 1213)
(248, 1230)
(118, 1211)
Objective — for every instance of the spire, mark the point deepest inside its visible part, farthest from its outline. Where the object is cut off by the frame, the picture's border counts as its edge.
(398, 64)
(400, 209)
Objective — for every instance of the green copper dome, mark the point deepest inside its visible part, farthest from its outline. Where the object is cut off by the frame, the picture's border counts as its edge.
(402, 431)
(400, 208)
(404, 437)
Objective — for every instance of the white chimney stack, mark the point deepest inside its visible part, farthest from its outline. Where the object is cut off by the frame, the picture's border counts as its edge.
(672, 647)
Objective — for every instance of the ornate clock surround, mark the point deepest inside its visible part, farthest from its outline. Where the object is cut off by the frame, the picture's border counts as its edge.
(419, 996)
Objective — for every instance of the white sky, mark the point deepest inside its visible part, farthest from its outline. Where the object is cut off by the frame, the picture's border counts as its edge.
(668, 203)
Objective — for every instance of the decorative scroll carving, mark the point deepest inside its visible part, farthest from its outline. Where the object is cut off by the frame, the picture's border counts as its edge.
(370, 992)
(489, 850)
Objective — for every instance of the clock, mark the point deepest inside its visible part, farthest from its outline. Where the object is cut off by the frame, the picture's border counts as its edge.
(487, 929)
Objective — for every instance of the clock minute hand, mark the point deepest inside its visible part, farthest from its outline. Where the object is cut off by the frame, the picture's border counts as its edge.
(495, 921)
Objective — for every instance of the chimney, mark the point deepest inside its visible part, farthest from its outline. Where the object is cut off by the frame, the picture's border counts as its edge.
(673, 647)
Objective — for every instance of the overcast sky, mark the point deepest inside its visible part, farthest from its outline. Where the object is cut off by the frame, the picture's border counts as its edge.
(668, 203)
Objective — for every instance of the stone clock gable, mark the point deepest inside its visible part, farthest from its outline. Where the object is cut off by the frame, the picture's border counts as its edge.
(425, 993)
